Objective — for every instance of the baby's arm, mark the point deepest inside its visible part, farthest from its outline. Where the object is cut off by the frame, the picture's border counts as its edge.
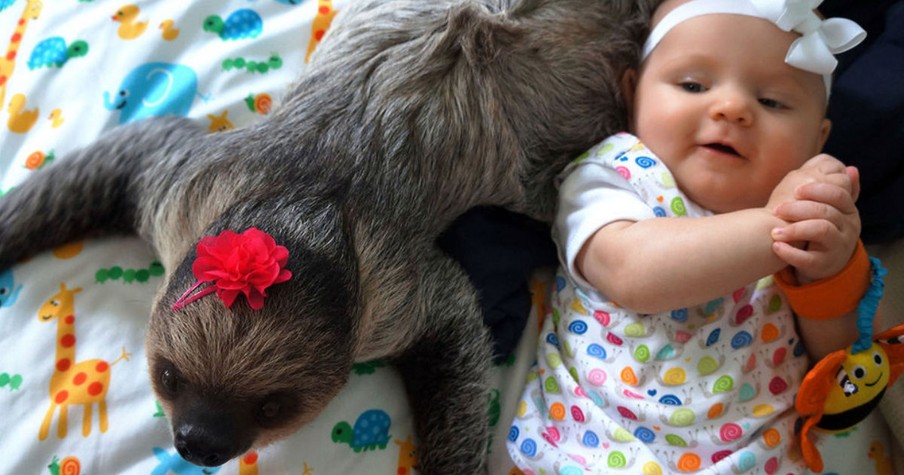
(661, 264)
(655, 265)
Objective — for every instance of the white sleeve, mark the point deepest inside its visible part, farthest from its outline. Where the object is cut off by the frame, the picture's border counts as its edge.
(590, 197)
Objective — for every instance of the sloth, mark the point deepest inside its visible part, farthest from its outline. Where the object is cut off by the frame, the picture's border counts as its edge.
(410, 113)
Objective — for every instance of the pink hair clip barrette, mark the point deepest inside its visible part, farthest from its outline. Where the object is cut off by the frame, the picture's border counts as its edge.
(232, 264)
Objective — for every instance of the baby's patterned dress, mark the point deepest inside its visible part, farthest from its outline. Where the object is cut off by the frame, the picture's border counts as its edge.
(707, 389)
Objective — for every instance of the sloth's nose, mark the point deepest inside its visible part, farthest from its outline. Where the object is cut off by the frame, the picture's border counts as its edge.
(203, 446)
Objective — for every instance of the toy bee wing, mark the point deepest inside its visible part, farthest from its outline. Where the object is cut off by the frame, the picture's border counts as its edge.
(892, 341)
(810, 402)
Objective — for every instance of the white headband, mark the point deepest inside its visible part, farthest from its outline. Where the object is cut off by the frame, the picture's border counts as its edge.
(814, 51)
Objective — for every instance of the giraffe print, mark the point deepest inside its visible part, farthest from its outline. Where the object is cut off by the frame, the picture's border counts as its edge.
(248, 463)
(85, 382)
(325, 14)
(8, 61)
(407, 456)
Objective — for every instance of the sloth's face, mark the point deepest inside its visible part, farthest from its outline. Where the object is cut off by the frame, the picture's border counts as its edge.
(230, 379)
(213, 425)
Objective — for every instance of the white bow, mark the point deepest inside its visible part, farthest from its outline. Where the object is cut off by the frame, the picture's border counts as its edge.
(821, 39)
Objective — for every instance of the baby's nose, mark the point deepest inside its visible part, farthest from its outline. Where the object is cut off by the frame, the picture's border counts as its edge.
(733, 107)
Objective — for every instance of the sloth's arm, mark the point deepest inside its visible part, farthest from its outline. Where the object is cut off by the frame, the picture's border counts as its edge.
(93, 191)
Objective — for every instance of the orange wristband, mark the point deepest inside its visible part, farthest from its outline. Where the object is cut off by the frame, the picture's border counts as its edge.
(831, 297)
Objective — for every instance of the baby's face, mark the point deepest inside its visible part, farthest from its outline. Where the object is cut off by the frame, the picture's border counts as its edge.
(718, 104)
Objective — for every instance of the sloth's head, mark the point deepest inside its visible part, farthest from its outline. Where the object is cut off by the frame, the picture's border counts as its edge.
(232, 378)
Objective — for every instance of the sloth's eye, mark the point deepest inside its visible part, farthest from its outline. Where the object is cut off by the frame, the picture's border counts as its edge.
(169, 381)
(270, 410)
(276, 409)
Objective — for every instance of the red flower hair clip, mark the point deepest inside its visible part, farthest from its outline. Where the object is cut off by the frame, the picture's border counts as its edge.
(234, 264)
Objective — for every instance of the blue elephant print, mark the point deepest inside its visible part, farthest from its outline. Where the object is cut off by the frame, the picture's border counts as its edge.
(154, 90)
(8, 290)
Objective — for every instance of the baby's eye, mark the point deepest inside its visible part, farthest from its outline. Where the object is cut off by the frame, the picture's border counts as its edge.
(691, 86)
(771, 103)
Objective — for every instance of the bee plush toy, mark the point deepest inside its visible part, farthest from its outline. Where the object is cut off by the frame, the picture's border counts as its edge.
(846, 385)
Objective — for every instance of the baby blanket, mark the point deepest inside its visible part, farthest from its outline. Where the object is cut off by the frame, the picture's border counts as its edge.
(71, 70)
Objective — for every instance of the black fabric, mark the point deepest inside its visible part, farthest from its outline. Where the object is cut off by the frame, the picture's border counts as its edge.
(867, 113)
(500, 250)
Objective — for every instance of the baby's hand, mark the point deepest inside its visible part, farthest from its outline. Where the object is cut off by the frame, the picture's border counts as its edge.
(824, 218)
(819, 169)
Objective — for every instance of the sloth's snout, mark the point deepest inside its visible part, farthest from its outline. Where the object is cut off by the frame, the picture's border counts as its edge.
(208, 444)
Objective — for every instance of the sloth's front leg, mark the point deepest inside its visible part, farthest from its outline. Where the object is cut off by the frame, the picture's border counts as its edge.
(446, 373)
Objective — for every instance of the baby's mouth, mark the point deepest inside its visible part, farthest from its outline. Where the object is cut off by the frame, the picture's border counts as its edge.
(722, 148)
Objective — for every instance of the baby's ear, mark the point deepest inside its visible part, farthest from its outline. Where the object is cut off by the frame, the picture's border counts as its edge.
(824, 130)
(628, 86)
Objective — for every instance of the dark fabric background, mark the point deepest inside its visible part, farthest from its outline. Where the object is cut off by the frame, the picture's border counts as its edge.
(500, 250)
(867, 113)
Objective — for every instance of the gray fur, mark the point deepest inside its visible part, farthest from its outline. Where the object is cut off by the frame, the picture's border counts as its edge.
(410, 113)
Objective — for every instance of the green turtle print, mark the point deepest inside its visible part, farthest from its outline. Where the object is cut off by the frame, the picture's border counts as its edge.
(240, 24)
(371, 431)
(54, 52)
